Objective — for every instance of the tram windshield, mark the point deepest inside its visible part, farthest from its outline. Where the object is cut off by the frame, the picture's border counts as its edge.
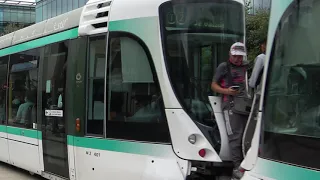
(197, 35)
(291, 121)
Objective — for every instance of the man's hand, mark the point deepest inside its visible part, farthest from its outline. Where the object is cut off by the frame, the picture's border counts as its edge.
(232, 92)
(227, 91)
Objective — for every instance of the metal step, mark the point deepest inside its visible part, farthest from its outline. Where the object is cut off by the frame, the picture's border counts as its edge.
(51, 176)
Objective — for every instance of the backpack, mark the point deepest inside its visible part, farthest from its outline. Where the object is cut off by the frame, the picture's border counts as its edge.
(238, 104)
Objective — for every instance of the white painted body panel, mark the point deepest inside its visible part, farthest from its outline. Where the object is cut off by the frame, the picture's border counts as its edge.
(21, 151)
(144, 8)
(89, 17)
(225, 148)
(23, 139)
(121, 166)
(40, 148)
(162, 169)
(3, 135)
(25, 156)
(71, 161)
(181, 127)
(4, 153)
(248, 175)
(93, 1)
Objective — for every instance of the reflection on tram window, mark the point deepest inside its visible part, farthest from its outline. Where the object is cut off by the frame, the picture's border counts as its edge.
(292, 106)
(134, 100)
(192, 57)
(133, 95)
(22, 94)
(96, 85)
(3, 86)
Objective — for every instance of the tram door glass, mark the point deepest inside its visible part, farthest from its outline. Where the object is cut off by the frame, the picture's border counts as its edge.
(3, 83)
(54, 137)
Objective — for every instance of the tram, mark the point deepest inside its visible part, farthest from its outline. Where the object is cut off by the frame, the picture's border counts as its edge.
(119, 89)
(286, 140)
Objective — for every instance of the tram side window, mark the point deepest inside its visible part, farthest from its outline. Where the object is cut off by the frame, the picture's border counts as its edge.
(3, 87)
(292, 106)
(135, 107)
(96, 61)
(22, 93)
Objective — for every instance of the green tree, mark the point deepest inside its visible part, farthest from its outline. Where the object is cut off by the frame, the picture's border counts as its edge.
(256, 30)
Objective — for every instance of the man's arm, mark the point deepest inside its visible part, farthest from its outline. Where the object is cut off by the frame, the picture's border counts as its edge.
(220, 71)
(255, 72)
(217, 88)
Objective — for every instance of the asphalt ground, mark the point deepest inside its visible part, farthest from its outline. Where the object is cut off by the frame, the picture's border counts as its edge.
(8, 172)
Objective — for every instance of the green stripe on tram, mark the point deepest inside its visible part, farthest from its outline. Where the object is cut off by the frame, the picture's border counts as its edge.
(69, 34)
(281, 171)
(3, 128)
(158, 150)
(30, 133)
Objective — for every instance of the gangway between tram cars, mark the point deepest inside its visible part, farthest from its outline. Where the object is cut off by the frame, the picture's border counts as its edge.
(119, 89)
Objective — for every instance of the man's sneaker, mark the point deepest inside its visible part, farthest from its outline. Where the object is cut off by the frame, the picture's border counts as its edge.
(237, 173)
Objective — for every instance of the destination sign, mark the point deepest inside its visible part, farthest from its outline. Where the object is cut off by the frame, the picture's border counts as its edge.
(208, 16)
(194, 17)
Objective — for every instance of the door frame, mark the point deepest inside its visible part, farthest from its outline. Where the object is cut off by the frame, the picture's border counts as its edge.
(40, 109)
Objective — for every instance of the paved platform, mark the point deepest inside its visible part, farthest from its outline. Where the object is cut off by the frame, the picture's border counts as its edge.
(8, 172)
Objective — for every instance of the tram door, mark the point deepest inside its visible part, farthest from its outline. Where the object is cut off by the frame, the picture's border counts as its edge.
(53, 124)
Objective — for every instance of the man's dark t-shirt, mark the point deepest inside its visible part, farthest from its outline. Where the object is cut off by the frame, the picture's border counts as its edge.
(238, 79)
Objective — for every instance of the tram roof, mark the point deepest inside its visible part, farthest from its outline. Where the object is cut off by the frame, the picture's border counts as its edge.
(51, 26)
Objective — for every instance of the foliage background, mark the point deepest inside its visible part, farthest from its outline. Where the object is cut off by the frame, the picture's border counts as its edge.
(256, 30)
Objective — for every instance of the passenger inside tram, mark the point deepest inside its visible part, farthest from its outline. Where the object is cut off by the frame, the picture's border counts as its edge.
(24, 111)
(22, 91)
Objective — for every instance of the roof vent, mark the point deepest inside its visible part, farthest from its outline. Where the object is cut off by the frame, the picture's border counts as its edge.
(94, 18)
